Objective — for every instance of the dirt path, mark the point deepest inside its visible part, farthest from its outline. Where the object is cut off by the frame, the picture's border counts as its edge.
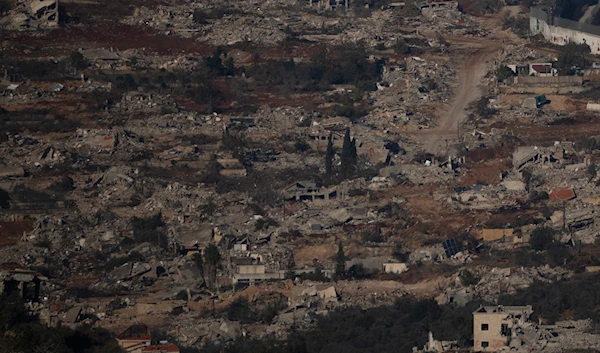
(471, 69)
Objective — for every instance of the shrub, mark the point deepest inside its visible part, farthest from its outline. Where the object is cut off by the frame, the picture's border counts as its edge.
(467, 278)
(482, 108)
(359, 272)
(271, 310)
(542, 237)
(5, 5)
(4, 199)
(503, 72)
(65, 184)
(537, 196)
(400, 47)
(301, 146)
(372, 237)
(264, 223)
(78, 60)
(115, 262)
(200, 139)
(528, 259)
(149, 230)
(239, 310)
(572, 56)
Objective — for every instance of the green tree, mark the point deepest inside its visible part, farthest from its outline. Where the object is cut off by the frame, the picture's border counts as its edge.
(240, 310)
(400, 47)
(149, 230)
(4, 199)
(592, 170)
(340, 263)
(353, 153)
(329, 156)
(526, 4)
(290, 272)
(482, 108)
(78, 60)
(212, 260)
(572, 55)
(591, 144)
(503, 72)
(348, 156)
(199, 262)
(541, 237)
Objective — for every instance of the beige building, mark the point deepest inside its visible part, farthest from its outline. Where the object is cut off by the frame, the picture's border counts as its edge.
(496, 234)
(493, 326)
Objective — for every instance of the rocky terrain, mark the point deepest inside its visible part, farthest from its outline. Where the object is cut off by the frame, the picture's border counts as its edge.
(228, 173)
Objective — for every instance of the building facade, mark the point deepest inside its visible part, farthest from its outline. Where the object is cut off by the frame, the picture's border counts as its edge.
(494, 326)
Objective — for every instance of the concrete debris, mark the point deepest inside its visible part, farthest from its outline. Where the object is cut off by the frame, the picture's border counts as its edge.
(32, 14)
(494, 281)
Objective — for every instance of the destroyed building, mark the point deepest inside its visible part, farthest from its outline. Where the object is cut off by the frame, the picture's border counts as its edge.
(531, 155)
(161, 348)
(308, 190)
(248, 270)
(16, 279)
(135, 339)
(495, 327)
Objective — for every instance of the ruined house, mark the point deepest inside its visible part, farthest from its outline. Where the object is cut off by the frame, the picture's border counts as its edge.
(11, 172)
(231, 167)
(542, 70)
(530, 155)
(135, 339)
(437, 4)
(580, 224)
(14, 278)
(249, 270)
(436, 346)
(395, 267)
(308, 190)
(161, 348)
(495, 327)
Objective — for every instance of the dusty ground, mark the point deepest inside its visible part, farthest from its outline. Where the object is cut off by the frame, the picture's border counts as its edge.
(11, 232)
(557, 102)
(472, 67)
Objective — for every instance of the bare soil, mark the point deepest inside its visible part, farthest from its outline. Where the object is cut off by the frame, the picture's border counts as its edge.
(11, 232)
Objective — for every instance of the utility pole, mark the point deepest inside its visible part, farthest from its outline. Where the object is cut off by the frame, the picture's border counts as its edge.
(564, 215)
(457, 131)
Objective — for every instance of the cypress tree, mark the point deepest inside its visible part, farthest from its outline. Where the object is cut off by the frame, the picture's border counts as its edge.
(329, 156)
(340, 263)
(346, 154)
(353, 156)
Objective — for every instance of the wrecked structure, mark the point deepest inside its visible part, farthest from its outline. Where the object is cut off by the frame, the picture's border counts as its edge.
(308, 190)
(435, 4)
(14, 278)
(135, 339)
(32, 14)
(251, 271)
(495, 327)
(531, 155)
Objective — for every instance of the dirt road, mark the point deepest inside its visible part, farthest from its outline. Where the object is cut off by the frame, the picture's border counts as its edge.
(471, 69)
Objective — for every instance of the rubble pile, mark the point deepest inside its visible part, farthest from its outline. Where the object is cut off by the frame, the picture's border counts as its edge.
(495, 281)
(32, 14)
(407, 88)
